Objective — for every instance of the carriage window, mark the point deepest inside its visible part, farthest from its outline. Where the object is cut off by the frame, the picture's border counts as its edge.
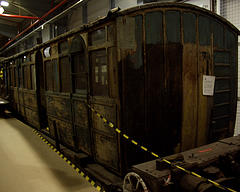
(65, 74)
(204, 29)
(154, 29)
(230, 40)
(51, 75)
(63, 47)
(79, 66)
(173, 26)
(79, 73)
(218, 34)
(99, 73)
(189, 26)
(33, 79)
(97, 37)
(24, 58)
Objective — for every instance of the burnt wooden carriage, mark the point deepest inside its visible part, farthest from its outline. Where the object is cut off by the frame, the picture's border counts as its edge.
(142, 69)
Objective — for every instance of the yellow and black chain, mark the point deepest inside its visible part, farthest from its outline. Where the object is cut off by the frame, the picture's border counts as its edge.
(124, 135)
(84, 175)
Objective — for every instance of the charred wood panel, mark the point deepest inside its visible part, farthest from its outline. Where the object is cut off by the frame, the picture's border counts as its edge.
(156, 78)
(59, 107)
(81, 125)
(64, 129)
(15, 99)
(204, 102)
(106, 150)
(32, 117)
(104, 137)
(133, 85)
(109, 112)
(190, 97)
(30, 99)
(173, 95)
(65, 132)
(83, 139)
(21, 102)
(80, 112)
(59, 110)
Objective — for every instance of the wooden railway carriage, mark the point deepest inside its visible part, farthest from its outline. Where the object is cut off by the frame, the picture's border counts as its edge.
(142, 69)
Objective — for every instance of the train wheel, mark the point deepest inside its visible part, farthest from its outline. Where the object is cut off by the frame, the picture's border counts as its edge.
(133, 183)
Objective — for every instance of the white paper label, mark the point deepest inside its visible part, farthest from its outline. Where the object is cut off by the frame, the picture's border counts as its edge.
(208, 85)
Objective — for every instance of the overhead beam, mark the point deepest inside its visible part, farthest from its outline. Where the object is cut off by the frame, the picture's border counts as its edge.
(36, 22)
(18, 16)
(20, 7)
(8, 22)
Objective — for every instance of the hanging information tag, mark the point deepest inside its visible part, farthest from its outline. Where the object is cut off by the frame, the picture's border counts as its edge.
(208, 85)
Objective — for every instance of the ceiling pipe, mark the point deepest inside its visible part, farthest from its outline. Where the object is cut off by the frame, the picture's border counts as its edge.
(24, 9)
(36, 22)
(48, 21)
(18, 16)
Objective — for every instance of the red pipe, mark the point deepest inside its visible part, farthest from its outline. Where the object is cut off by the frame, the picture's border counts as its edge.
(18, 16)
(36, 22)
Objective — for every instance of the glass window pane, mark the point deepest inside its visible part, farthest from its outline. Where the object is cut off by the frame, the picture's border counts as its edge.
(63, 47)
(153, 27)
(99, 73)
(218, 34)
(173, 26)
(79, 64)
(79, 73)
(189, 27)
(204, 29)
(97, 37)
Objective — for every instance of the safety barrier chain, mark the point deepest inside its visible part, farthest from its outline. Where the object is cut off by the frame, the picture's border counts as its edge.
(84, 175)
(110, 124)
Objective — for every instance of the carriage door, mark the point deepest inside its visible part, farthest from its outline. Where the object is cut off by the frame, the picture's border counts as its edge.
(41, 91)
(80, 93)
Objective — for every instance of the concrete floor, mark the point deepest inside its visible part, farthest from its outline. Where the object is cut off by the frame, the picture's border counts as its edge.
(27, 164)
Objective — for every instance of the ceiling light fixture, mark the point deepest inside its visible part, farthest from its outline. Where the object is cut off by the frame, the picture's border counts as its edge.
(1, 10)
(4, 3)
